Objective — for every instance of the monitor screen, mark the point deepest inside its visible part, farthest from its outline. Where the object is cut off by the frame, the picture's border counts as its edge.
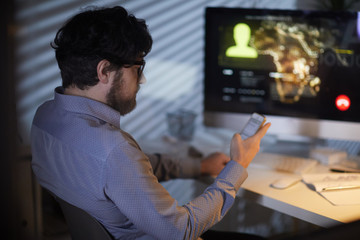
(300, 68)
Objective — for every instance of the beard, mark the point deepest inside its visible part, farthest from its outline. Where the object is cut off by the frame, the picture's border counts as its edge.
(115, 97)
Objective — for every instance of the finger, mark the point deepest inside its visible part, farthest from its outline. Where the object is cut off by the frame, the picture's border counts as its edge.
(262, 131)
(226, 160)
(237, 136)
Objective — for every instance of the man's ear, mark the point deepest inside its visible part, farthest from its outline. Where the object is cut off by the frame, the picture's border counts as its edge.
(102, 74)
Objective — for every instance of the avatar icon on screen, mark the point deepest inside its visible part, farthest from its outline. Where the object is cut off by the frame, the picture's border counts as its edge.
(242, 34)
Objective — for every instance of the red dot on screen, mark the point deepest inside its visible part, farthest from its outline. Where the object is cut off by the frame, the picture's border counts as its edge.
(342, 102)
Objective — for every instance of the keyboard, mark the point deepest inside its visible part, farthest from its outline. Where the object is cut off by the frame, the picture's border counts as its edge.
(284, 163)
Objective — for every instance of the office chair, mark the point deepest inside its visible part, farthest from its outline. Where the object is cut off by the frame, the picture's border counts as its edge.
(82, 226)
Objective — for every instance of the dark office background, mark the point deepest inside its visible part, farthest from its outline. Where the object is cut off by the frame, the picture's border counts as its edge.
(8, 117)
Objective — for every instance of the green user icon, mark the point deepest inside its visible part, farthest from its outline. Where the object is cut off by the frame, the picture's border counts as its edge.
(242, 34)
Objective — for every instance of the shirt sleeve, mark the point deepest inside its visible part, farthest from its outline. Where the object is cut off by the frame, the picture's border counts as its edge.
(133, 187)
(166, 167)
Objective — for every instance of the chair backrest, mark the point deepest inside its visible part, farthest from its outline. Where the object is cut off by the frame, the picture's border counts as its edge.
(82, 225)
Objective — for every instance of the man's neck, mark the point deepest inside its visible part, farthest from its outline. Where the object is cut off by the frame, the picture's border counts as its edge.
(93, 93)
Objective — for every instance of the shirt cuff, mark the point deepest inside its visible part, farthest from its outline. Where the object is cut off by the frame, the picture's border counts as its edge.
(234, 173)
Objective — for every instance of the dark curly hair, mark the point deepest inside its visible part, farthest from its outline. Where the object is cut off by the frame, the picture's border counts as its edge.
(97, 34)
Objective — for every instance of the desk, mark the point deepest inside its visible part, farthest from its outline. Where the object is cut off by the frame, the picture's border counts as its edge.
(298, 201)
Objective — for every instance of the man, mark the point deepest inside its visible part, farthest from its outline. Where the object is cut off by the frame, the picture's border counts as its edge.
(81, 154)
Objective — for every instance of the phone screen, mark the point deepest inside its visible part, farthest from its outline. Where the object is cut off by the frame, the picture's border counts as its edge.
(251, 127)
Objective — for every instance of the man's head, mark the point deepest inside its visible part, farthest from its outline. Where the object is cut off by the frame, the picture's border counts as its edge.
(109, 35)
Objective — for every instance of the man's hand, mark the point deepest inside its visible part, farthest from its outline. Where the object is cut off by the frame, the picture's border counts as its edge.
(214, 163)
(243, 151)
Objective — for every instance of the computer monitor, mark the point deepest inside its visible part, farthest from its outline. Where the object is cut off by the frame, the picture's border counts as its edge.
(299, 68)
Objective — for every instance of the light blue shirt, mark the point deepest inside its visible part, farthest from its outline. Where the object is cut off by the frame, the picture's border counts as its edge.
(81, 155)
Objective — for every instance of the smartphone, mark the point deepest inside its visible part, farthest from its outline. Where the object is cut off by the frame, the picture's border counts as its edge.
(252, 126)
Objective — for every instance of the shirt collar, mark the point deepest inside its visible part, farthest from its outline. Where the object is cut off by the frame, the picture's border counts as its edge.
(87, 106)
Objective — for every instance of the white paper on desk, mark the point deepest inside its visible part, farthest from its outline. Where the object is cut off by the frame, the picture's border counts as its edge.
(336, 197)
(342, 197)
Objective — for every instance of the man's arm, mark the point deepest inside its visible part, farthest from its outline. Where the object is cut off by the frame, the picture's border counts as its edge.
(166, 167)
(148, 206)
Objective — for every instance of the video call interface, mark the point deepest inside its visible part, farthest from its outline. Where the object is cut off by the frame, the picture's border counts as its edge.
(287, 63)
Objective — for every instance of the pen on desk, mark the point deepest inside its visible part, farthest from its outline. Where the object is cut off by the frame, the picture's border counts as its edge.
(340, 188)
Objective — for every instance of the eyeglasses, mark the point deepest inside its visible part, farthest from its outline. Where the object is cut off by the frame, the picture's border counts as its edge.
(141, 65)
(141, 68)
